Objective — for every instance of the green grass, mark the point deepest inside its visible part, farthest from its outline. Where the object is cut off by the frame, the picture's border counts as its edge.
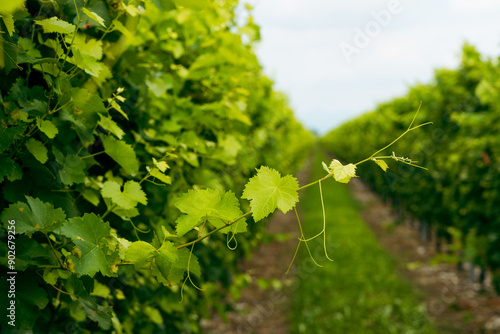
(360, 291)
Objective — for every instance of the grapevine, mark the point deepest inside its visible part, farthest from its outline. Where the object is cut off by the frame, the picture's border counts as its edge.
(130, 132)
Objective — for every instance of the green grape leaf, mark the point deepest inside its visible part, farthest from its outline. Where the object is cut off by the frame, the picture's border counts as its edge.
(100, 290)
(88, 233)
(166, 233)
(94, 16)
(140, 253)
(108, 124)
(84, 114)
(128, 199)
(6, 167)
(227, 209)
(80, 287)
(153, 314)
(102, 315)
(8, 20)
(87, 46)
(117, 107)
(342, 173)
(208, 204)
(9, 169)
(159, 85)
(125, 214)
(91, 196)
(51, 276)
(155, 172)
(47, 127)
(180, 266)
(8, 135)
(146, 257)
(161, 165)
(87, 104)
(34, 216)
(121, 28)
(27, 49)
(325, 167)
(165, 257)
(37, 149)
(87, 63)
(268, 190)
(122, 153)
(382, 164)
(73, 170)
(55, 25)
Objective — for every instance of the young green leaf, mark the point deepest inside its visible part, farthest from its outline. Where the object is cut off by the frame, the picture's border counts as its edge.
(208, 204)
(161, 165)
(342, 173)
(108, 124)
(382, 164)
(155, 172)
(34, 216)
(73, 170)
(94, 16)
(128, 199)
(102, 315)
(8, 20)
(117, 107)
(146, 257)
(47, 127)
(55, 25)
(165, 257)
(325, 167)
(37, 149)
(180, 266)
(86, 46)
(88, 233)
(268, 190)
(140, 253)
(87, 63)
(122, 153)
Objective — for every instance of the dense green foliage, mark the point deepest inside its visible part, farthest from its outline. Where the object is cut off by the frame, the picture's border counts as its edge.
(110, 112)
(459, 195)
(360, 291)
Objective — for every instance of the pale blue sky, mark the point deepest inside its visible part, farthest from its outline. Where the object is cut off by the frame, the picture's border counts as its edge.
(301, 49)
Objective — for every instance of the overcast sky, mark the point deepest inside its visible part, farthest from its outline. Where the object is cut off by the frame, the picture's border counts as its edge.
(338, 59)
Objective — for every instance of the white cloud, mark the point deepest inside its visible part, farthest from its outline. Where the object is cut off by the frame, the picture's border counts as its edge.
(300, 50)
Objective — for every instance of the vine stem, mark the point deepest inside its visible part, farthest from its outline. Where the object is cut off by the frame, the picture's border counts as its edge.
(214, 231)
(92, 155)
(68, 293)
(392, 143)
(401, 136)
(317, 181)
(109, 210)
(54, 251)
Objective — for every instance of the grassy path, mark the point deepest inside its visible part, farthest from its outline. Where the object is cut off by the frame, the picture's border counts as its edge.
(360, 291)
